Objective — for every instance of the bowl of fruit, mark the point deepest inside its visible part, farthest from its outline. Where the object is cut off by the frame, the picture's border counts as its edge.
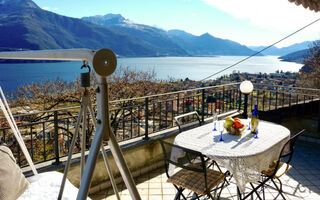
(234, 126)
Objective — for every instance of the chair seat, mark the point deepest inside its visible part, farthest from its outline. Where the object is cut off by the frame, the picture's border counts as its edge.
(195, 182)
(283, 168)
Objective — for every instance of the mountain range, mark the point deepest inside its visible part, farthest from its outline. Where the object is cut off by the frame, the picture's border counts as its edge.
(203, 45)
(24, 25)
(148, 36)
(275, 51)
(297, 56)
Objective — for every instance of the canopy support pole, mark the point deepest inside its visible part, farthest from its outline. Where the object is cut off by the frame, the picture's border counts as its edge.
(7, 112)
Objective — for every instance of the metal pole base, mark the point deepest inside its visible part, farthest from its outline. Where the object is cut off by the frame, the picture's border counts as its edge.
(85, 104)
(104, 131)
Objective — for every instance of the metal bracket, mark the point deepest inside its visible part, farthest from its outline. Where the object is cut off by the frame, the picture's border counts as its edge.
(184, 115)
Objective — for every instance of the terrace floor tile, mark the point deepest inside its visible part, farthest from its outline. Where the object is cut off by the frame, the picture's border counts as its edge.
(301, 183)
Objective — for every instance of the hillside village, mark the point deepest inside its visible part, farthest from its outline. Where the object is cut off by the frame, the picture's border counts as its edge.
(288, 79)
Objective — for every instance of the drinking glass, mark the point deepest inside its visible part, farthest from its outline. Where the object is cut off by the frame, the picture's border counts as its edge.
(249, 121)
(256, 136)
(220, 128)
(215, 121)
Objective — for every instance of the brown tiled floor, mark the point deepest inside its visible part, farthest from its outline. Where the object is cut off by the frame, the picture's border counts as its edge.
(301, 182)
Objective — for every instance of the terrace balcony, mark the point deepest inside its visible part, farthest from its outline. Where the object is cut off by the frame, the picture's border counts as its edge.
(139, 123)
(301, 182)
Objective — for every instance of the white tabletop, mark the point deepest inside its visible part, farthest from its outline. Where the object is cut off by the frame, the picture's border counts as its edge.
(244, 156)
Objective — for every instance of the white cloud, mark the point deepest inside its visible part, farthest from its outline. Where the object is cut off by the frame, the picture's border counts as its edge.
(193, 14)
(280, 15)
(55, 9)
(46, 8)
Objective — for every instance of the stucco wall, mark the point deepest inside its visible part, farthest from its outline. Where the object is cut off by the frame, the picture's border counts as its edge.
(141, 157)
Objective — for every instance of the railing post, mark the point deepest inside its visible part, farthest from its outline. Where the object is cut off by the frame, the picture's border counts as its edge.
(223, 99)
(166, 110)
(270, 97)
(44, 141)
(230, 100)
(263, 99)
(304, 104)
(202, 107)
(251, 103)
(146, 112)
(160, 110)
(240, 101)
(276, 98)
(178, 105)
(258, 93)
(312, 104)
(297, 105)
(318, 115)
(282, 99)
(245, 109)
(56, 139)
(234, 98)
(290, 105)
(31, 140)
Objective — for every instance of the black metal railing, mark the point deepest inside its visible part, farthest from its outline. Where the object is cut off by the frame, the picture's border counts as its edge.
(47, 134)
(270, 97)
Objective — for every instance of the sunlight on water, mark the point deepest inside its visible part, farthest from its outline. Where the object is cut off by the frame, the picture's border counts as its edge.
(195, 68)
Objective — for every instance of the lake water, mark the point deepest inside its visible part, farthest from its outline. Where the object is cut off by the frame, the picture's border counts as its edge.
(195, 68)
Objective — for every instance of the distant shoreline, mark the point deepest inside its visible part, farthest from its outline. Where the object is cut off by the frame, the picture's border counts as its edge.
(166, 68)
(17, 61)
(8, 61)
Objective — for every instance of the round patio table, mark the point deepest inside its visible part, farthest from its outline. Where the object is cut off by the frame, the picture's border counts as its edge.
(244, 156)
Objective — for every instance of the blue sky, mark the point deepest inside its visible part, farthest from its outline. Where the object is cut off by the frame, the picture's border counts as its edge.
(249, 22)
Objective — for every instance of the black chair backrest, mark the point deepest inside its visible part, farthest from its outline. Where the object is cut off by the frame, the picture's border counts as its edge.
(189, 120)
(187, 159)
(288, 149)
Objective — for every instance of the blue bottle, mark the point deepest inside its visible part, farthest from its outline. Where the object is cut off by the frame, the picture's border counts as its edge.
(254, 119)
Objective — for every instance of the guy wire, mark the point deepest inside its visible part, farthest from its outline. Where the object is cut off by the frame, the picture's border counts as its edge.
(262, 49)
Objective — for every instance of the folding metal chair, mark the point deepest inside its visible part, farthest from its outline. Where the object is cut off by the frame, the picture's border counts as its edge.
(281, 166)
(192, 174)
(276, 169)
